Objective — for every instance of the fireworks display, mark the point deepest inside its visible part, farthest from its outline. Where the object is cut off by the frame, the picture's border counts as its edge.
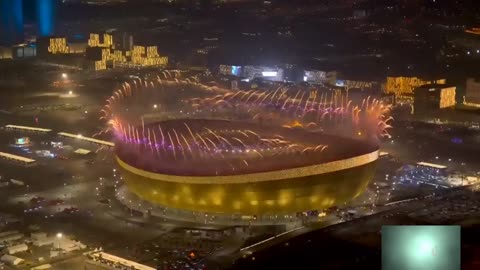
(183, 121)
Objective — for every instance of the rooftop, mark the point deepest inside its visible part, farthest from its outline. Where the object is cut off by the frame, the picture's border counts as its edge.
(242, 152)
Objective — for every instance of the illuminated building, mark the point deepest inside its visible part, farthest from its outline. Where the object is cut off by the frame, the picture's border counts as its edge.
(58, 45)
(100, 65)
(230, 70)
(432, 97)
(118, 57)
(98, 57)
(252, 190)
(250, 157)
(106, 40)
(5, 53)
(77, 47)
(11, 22)
(353, 84)
(472, 92)
(52, 46)
(252, 72)
(447, 97)
(24, 141)
(102, 52)
(265, 73)
(24, 51)
(405, 85)
(318, 76)
(147, 56)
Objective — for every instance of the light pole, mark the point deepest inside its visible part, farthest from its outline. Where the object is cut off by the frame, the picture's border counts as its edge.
(59, 237)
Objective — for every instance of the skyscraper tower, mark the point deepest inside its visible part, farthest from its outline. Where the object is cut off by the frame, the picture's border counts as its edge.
(11, 22)
(46, 17)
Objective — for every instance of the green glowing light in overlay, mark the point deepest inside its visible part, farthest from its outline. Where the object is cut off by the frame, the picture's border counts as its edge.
(421, 247)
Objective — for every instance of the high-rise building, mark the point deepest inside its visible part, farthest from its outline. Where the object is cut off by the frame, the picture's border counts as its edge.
(11, 22)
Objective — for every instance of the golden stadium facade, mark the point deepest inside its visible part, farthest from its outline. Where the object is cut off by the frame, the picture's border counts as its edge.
(331, 179)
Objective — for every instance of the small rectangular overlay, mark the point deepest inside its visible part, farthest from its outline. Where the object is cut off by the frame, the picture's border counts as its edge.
(423, 247)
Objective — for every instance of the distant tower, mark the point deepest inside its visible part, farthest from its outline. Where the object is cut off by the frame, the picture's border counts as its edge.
(11, 22)
(46, 17)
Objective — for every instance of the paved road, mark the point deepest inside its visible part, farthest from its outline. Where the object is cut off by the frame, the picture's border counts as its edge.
(385, 213)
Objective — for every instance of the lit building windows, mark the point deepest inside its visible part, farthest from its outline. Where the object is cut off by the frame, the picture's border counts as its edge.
(139, 56)
(405, 85)
(58, 46)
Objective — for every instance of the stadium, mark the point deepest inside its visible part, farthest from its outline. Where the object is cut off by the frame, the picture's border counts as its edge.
(183, 145)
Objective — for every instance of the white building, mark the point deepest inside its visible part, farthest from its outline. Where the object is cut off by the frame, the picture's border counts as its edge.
(11, 260)
(67, 245)
(43, 242)
(38, 235)
(17, 249)
(11, 237)
(320, 77)
(2, 234)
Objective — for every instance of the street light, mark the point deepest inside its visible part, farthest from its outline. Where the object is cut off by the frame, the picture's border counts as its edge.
(70, 92)
(59, 237)
(64, 75)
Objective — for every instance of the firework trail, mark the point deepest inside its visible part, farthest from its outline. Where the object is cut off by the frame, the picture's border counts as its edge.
(130, 118)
